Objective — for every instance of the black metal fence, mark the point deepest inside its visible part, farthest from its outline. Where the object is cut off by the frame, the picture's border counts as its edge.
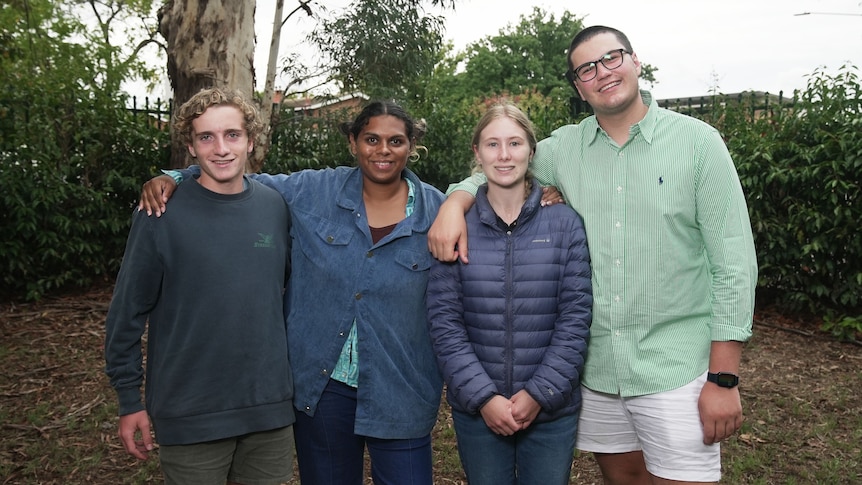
(759, 103)
(158, 112)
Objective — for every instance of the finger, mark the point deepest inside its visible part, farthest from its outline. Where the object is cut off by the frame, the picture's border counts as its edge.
(146, 200)
(167, 190)
(131, 446)
(709, 433)
(462, 248)
(147, 439)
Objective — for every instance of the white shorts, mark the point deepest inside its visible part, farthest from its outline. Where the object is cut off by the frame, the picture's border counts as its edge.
(665, 426)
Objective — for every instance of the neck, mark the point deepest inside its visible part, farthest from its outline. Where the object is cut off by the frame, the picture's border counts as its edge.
(507, 201)
(225, 188)
(618, 124)
(382, 192)
(385, 203)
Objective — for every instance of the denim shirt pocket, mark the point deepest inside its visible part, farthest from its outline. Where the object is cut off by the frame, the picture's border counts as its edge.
(414, 260)
(333, 234)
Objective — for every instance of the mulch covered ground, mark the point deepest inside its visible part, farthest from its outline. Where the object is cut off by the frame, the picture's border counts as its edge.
(57, 422)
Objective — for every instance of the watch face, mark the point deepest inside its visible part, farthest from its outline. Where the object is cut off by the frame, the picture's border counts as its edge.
(727, 380)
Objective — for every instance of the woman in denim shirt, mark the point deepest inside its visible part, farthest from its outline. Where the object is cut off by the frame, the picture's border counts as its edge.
(364, 371)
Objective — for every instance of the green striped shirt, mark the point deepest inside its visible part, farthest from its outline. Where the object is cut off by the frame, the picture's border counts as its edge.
(674, 265)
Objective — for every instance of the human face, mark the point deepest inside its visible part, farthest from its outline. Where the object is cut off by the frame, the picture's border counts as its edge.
(504, 153)
(381, 149)
(221, 146)
(612, 91)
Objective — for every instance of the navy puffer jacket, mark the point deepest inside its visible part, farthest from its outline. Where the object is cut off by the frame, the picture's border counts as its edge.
(518, 315)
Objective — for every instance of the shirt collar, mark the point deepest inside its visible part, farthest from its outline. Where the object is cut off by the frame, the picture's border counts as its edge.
(646, 126)
(411, 197)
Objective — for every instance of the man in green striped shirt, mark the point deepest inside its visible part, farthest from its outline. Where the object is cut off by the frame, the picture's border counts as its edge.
(674, 269)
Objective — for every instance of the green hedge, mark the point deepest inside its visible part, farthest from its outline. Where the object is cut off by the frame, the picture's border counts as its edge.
(70, 171)
(801, 168)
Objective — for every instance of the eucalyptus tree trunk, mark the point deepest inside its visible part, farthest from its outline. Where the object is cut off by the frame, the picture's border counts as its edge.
(210, 43)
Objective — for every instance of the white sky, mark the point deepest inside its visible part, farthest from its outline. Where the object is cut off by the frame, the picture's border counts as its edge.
(738, 45)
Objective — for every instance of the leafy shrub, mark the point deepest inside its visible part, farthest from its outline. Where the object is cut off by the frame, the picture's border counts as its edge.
(68, 194)
(801, 169)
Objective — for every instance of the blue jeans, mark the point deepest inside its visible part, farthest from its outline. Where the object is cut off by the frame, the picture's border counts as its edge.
(539, 455)
(329, 453)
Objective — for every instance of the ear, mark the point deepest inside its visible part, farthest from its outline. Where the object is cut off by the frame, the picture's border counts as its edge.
(637, 62)
(352, 145)
(250, 147)
(192, 151)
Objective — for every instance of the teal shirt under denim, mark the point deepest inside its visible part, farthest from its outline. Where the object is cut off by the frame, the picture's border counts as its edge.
(339, 276)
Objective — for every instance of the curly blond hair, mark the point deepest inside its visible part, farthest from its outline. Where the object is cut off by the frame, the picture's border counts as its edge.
(207, 98)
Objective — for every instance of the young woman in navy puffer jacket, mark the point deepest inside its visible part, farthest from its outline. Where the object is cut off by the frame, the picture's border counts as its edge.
(510, 329)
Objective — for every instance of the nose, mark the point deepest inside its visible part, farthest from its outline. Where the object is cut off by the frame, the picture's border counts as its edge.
(600, 66)
(220, 145)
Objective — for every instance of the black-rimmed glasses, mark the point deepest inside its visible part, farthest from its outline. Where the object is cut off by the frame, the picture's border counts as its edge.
(589, 70)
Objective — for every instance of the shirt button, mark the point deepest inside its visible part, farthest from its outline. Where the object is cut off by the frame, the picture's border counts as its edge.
(329, 239)
(358, 296)
(618, 225)
(369, 254)
(324, 372)
(618, 262)
(617, 333)
(308, 408)
(619, 189)
(617, 298)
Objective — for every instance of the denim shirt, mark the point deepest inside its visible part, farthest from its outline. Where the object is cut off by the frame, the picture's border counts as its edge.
(339, 276)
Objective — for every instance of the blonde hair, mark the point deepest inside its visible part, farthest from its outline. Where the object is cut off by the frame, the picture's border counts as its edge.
(207, 98)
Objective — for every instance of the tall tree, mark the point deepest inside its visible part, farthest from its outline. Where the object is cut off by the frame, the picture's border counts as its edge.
(531, 55)
(382, 47)
(210, 43)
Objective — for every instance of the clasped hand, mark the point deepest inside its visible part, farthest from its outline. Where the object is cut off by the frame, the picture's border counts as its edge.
(508, 416)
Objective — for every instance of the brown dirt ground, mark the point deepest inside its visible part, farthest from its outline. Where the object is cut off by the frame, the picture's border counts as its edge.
(56, 407)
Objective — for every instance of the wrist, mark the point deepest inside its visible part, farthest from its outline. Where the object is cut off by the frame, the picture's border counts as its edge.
(726, 380)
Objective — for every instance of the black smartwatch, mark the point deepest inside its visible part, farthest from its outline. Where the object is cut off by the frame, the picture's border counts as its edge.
(723, 379)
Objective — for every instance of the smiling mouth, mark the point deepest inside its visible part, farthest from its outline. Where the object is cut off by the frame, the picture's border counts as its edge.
(608, 86)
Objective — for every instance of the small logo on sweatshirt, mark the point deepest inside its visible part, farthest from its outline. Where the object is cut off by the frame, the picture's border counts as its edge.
(266, 241)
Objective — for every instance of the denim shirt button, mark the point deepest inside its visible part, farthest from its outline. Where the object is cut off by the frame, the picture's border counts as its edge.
(329, 239)
(369, 254)
(324, 372)
(358, 296)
